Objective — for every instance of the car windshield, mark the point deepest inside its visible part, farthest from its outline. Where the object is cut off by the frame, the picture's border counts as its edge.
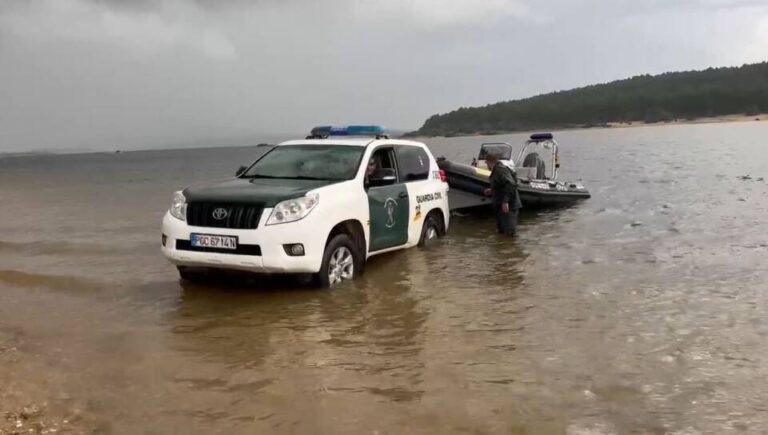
(308, 162)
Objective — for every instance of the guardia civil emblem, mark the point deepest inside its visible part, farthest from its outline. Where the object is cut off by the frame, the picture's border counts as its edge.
(391, 206)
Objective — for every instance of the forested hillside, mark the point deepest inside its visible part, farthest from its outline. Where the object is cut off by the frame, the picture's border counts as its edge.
(666, 97)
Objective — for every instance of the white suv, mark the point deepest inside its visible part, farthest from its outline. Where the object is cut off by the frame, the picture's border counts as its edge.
(322, 205)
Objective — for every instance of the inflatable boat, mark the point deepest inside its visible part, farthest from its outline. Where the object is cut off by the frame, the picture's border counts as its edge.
(537, 175)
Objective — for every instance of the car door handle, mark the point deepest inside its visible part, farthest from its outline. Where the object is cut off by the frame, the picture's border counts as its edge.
(403, 195)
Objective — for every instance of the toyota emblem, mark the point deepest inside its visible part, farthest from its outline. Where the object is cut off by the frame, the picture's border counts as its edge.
(220, 213)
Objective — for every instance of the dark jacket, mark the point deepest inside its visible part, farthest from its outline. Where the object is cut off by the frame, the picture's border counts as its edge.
(504, 186)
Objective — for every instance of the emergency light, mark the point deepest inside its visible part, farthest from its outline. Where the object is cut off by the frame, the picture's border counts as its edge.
(349, 130)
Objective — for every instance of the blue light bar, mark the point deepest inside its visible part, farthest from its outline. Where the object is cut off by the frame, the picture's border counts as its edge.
(349, 130)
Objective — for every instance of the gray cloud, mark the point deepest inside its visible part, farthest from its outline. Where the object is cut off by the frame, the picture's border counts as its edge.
(132, 74)
(210, 5)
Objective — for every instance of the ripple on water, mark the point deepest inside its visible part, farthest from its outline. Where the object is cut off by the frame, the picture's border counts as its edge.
(583, 324)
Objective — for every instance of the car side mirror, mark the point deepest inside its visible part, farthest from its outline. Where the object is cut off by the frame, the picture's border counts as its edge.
(240, 171)
(383, 177)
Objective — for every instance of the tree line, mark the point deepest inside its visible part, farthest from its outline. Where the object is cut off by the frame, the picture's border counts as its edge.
(666, 97)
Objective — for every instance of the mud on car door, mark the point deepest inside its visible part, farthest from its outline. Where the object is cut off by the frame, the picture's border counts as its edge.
(388, 203)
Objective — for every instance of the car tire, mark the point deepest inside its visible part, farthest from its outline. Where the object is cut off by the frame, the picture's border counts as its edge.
(342, 261)
(430, 231)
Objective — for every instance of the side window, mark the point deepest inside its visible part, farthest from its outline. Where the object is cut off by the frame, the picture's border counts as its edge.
(383, 158)
(381, 163)
(413, 163)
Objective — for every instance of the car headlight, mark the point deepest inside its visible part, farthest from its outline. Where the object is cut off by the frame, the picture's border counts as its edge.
(293, 209)
(179, 206)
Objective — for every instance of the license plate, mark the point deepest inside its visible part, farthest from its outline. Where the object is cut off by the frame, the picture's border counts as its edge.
(212, 241)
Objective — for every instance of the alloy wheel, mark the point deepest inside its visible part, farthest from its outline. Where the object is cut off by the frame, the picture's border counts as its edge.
(431, 233)
(341, 265)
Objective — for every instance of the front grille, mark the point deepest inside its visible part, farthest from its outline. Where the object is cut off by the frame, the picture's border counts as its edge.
(186, 245)
(238, 216)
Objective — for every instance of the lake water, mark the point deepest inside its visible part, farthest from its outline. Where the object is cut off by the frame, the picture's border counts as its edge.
(641, 310)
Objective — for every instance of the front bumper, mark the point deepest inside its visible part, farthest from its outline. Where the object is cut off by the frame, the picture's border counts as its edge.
(270, 240)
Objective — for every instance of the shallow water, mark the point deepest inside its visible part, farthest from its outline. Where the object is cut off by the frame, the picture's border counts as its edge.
(642, 310)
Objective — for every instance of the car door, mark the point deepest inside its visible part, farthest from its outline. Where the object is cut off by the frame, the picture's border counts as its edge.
(413, 166)
(388, 205)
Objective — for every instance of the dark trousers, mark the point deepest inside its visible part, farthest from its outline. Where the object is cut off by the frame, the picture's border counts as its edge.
(506, 223)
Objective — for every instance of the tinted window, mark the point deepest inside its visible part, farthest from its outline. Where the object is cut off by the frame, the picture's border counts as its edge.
(324, 162)
(412, 163)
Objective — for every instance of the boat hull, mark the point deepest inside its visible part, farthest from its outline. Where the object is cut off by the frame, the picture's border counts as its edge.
(533, 193)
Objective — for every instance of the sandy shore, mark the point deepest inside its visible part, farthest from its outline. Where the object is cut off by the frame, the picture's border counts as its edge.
(711, 120)
(761, 117)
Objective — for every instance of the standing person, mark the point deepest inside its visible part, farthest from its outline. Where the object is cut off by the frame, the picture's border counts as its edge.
(503, 190)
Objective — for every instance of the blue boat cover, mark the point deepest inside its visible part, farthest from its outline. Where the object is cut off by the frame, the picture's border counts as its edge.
(542, 136)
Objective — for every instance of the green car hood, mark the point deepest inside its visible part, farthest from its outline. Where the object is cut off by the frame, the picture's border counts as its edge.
(267, 191)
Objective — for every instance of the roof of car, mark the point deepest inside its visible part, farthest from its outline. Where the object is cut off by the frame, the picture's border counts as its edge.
(359, 141)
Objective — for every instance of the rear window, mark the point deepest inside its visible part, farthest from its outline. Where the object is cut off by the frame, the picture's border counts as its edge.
(412, 163)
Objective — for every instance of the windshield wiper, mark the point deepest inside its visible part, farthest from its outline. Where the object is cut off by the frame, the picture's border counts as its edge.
(261, 176)
(303, 177)
(299, 177)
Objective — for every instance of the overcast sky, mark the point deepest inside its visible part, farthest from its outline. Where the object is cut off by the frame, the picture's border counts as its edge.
(119, 74)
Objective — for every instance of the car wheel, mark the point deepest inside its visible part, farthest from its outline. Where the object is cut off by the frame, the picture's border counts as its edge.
(430, 232)
(341, 262)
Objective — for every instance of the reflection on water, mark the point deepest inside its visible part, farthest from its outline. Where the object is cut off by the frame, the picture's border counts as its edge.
(641, 310)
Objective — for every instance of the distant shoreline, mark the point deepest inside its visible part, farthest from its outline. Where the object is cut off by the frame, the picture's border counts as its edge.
(684, 97)
(762, 117)
(710, 120)
(725, 119)
(67, 153)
